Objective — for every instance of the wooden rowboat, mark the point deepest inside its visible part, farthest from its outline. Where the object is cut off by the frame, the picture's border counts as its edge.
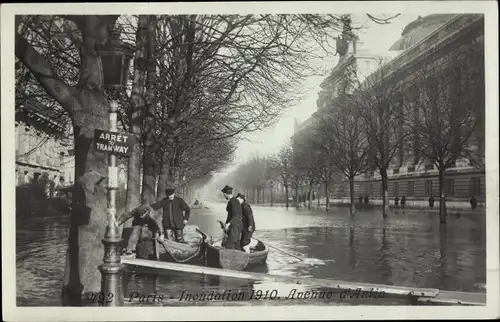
(234, 259)
(200, 250)
(192, 252)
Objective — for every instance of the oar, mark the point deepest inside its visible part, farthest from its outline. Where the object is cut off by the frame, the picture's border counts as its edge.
(286, 253)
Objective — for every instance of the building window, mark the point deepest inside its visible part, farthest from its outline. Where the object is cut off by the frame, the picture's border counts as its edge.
(411, 188)
(395, 171)
(370, 189)
(411, 169)
(475, 186)
(450, 187)
(429, 166)
(428, 188)
(396, 189)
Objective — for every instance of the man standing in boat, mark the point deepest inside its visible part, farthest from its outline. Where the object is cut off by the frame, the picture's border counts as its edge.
(248, 223)
(175, 215)
(234, 221)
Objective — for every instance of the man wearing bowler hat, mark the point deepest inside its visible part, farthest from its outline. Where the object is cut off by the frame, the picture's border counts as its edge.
(234, 220)
(175, 215)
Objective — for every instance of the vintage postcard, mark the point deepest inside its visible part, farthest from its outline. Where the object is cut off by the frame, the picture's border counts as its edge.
(250, 161)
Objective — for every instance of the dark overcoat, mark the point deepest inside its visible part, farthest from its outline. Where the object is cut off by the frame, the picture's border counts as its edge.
(175, 211)
(234, 211)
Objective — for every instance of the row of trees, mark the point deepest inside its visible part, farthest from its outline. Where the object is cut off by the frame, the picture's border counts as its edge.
(197, 84)
(432, 114)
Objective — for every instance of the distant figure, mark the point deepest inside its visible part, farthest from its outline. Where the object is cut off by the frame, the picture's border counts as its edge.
(196, 202)
(360, 199)
(248, 223)
(403, 201)
(431, 201)
(396, 201)
(473, 202)
(366, 199)
(234, 220)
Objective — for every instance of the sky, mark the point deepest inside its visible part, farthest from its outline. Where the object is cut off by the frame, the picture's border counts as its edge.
(376, 39)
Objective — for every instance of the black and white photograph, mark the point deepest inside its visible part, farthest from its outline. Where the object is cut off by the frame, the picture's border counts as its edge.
(250, 161)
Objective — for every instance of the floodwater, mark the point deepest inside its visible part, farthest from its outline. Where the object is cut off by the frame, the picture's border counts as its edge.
(404, 249)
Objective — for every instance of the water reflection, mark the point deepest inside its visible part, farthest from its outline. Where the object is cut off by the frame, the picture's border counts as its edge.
(403, 249)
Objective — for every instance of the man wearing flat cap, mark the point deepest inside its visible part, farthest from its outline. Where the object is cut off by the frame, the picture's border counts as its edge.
(234, 220)
(175, 215)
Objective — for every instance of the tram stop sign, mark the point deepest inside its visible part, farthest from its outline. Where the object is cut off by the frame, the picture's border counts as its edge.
(114, 142)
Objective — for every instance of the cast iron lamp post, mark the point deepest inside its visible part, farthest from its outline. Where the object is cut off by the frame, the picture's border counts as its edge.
(115, 59)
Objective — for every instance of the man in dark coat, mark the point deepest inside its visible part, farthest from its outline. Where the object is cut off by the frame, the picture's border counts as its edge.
(175, 215)
(234, 220)
(248, 223)
(145, 225)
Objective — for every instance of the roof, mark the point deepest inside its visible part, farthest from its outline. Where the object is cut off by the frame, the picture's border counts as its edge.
(33, 105)
(49, 114)
(419, 29)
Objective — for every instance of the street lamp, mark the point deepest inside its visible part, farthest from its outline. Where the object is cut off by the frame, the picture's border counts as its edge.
(115, 59)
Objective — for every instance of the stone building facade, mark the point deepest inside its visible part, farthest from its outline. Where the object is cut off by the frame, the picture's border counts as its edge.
(42, 145)
(411, 175)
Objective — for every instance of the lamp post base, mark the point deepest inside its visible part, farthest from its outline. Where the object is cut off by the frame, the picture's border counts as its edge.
(111, 270)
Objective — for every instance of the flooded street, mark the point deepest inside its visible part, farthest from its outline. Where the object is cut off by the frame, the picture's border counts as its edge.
(404, 250)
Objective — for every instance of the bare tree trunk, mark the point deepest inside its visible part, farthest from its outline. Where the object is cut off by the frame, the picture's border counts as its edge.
(149, 157)
(286, 196)
(442, 197)
(327, 194)
(317, 197)
(88, 222)
(310, 196)
(162, 180)
(351, 192)
(297, 197)
(133, 198)
(385, 193)
(271, 197)
(148, 176)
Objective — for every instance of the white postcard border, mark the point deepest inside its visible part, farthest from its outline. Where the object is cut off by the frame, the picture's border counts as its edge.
(11, 312)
